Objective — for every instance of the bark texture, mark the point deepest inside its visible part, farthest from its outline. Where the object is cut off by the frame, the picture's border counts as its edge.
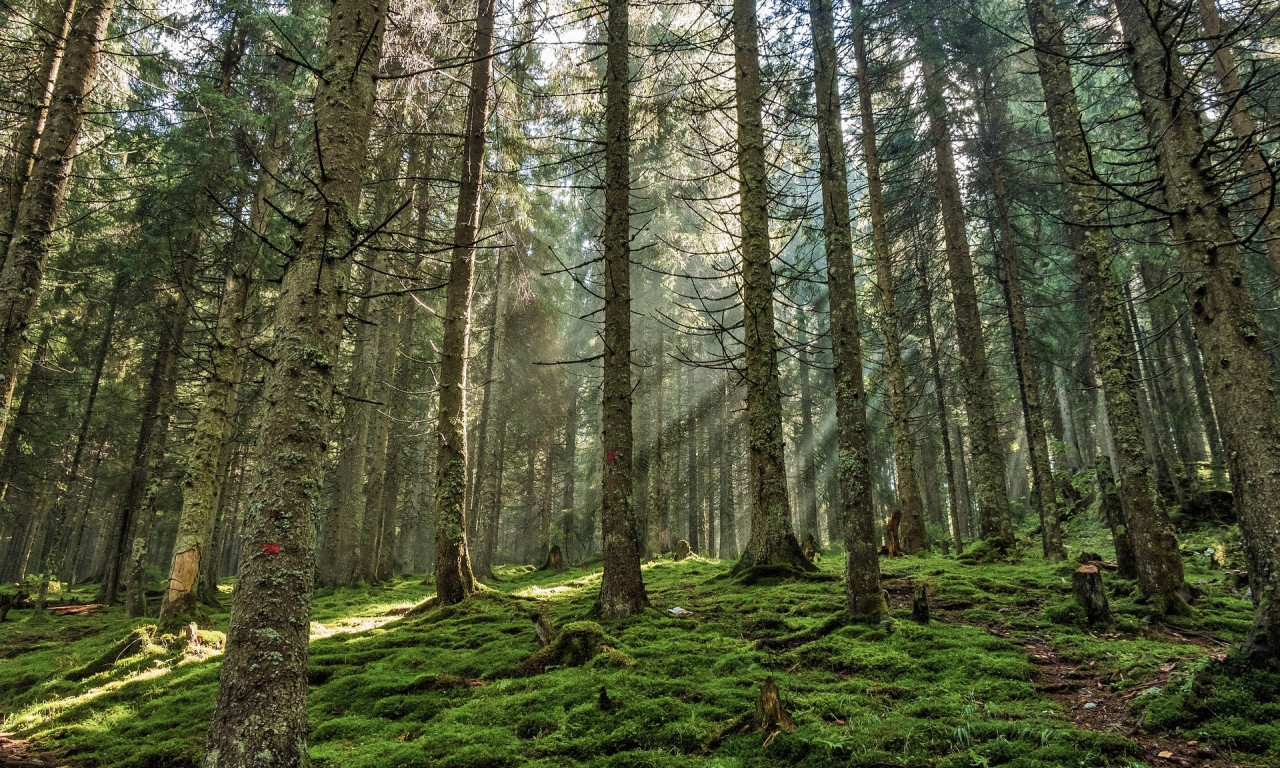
(1147, 525)
(260, 715)
(772, 540)
(1213, 278)
(454, 579)
(42, 198)
(622, 590)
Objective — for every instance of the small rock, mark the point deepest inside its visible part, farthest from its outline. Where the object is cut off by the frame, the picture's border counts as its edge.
(1090, 705)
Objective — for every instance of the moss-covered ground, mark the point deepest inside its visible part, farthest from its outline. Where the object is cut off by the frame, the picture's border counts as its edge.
(447, 688)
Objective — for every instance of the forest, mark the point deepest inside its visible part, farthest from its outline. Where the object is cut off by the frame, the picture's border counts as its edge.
(639, 383)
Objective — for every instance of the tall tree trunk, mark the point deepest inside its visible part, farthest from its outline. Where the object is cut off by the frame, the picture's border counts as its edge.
(1044, 494)
(808, 490)
(911, 534)
(975, 374)
(262, 692)
(772, 540)
(42, 198)
(1151, 406)
(622, 590)
(483, 565)
(55, 17)
(1204, 402)
(693, 498)
(957, 490)
(65, 533)
(569, 461)
(1216, 288)
(127, 566)
(728, 529)
(864, 600)
(210, 441)
(344, 536)
(454, 579)
(659, 493)
(1151, 534)
(1258, 172)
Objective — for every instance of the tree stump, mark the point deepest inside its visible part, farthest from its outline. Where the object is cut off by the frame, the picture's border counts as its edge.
(683, 550)
(1086, 584)
(810, 546)
(555, 559)
(542, 628)
(920, 605)
(604, 703)
(891, 532)
(769, 710)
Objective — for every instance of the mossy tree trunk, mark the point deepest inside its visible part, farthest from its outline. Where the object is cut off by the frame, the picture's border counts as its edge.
(46, 187)
(1150, 532)
(1044, 494)
(808, 460)
(957, 494)
(1259, 174)
(772, 540)
(54, 19)
(622, 590)
(863, 597)
(1214, 280)
(975, 374)
(260, 712)
(209, 444)
(454, 579)
(910, 503)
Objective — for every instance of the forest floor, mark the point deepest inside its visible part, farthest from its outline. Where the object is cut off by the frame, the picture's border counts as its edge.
(1006, 673)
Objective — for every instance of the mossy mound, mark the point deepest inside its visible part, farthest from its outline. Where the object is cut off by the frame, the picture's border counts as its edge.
(1233, 703)
(576, 644)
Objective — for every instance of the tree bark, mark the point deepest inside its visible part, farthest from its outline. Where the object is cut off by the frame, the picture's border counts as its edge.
(910, 504)
(42, 198)
(622, 591)
(260, 712)
(1216, 288)
(772, 540)
(56, 17)
(1155, 548)
(975, 379)
(1258, 173)
(454, 579)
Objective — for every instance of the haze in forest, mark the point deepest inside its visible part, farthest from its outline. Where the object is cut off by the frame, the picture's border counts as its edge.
(824, 345)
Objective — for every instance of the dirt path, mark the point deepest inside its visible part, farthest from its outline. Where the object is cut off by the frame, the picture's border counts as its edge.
(1085, 694)
(19, 754)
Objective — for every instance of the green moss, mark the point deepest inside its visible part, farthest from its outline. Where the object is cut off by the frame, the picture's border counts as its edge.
(441, 688)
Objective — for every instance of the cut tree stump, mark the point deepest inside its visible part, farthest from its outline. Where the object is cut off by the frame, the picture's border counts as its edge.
(1086, 584)
(683, 550)
(555, 559)
(810, 546)
(769, 710)
(920, 605)
(891, 532)
(542, 628)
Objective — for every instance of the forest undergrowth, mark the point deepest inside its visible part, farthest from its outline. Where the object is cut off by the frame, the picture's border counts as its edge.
(1005, 673)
